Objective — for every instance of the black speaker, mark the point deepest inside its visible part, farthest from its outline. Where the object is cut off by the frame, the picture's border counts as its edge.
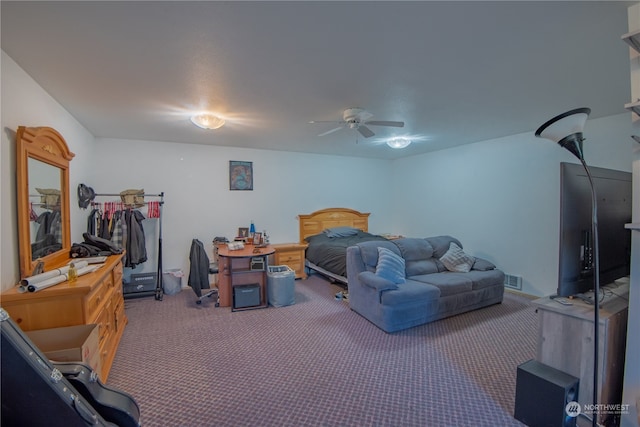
(542, 394)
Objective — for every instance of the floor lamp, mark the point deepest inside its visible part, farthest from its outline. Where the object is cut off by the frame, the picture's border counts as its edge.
(566, 130)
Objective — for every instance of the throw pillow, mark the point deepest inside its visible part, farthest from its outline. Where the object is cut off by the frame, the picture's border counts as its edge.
(390, 266)
(341, 231)
(456, 260)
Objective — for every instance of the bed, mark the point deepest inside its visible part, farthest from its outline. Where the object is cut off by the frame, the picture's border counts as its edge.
(327, 255)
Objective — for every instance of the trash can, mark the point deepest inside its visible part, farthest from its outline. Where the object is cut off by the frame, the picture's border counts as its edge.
(281, 285)
(172, 281)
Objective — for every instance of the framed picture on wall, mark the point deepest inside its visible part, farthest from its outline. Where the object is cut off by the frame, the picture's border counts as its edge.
(240, 175)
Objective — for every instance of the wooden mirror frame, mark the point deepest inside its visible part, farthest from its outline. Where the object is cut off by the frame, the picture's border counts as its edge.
(48, 146)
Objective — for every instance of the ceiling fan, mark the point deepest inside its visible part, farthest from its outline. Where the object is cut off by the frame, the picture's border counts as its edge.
(358, 119)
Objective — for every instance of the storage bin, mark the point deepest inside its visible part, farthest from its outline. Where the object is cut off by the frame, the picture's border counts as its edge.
(141, 282)
(281, 285)
(172, 281)
(246, 296)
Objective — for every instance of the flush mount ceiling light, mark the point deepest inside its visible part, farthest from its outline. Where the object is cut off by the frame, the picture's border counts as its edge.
(207, 121)
(398, 143)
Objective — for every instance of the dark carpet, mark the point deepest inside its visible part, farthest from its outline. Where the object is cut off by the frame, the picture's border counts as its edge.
(317, 363)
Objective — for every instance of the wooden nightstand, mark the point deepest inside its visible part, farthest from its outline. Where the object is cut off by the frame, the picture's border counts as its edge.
(292, 255)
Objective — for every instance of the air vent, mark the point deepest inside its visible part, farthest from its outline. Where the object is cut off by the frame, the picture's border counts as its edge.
(513, 282)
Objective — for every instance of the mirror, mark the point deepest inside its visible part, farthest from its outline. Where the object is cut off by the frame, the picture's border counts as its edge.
(42, 168)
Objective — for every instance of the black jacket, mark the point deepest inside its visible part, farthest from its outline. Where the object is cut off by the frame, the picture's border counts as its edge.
(136, 244)
(199, 269)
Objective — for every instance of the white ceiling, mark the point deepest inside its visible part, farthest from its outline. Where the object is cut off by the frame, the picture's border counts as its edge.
(454, 72)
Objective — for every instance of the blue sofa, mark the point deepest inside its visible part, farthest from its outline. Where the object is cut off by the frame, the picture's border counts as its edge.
(399, 284)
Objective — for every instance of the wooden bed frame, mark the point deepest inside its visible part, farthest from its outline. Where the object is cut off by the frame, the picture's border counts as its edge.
(314, 223)
(317, 221)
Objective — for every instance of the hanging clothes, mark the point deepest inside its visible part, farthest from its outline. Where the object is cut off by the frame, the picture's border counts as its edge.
(153, 209)
(135, 243)
(44, 220)
(104, 226)
(117, 230)
(199, 268)
(91, 221)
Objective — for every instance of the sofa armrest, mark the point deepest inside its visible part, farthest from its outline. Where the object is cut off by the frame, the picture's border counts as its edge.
(378, 283)
(483, 265)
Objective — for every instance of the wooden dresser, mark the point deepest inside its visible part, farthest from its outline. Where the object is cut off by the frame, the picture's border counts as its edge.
(94, 298)
(291, 255)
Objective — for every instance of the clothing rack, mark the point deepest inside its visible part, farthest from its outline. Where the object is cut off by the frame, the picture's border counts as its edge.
(159, 291)
(161, 195)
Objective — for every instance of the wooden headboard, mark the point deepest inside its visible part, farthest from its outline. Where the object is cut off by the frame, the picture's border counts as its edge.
(317, 221)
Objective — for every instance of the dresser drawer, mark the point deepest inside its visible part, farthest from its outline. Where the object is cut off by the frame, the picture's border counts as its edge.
(289, 256)
(96, 299)
(119, 316)
(105, 324)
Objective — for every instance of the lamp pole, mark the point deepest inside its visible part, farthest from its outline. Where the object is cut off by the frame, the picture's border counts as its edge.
(566, 130)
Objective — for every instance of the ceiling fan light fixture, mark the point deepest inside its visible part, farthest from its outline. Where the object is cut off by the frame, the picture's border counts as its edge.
(398, 143)
(207, 121)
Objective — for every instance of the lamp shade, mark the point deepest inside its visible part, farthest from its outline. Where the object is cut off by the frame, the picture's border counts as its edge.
(566, 129)
(207, 121)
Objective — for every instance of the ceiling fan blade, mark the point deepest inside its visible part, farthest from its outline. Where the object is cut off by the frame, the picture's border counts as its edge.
(365, 131)
(330, 131)
(385, 123)
(339, 122)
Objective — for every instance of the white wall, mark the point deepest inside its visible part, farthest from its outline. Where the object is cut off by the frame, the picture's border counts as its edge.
(501, 197)
(25, 103)
(199, 204)
(631, 389)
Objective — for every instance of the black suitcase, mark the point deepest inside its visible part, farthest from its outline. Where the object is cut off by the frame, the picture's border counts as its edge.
(34, 393)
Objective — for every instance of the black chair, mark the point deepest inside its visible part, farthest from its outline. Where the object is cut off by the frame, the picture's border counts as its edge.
(213, 269)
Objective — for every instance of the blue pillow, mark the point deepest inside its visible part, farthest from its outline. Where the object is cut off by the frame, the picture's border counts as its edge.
(341, 231)
(390, 266)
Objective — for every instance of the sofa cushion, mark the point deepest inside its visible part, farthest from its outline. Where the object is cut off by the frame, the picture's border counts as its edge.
(410, 292)
(483, 265)
(369, 251)
(456, 260)
(484, 279)
(378, 283)
(417, 254)
(449, 283)
(390, 266)
(441, 244)
(413, 249)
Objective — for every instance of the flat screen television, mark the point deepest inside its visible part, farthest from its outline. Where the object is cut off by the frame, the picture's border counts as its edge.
(613, 191)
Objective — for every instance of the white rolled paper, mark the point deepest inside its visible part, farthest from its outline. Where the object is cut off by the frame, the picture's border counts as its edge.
(33, 280)
(62, 278)
(46, 283)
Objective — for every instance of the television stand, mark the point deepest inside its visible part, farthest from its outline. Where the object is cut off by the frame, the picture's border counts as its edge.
(565, 342)
(585, 299)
